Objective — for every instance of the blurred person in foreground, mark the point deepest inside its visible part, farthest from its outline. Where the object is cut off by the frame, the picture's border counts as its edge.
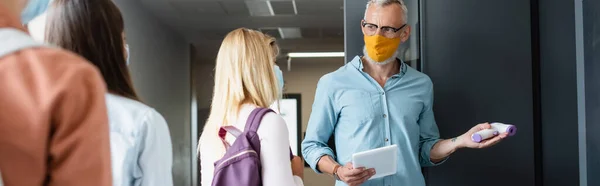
(53, 117)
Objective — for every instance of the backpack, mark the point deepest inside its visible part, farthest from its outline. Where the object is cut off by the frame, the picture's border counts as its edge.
(241, 163)
(14, 40)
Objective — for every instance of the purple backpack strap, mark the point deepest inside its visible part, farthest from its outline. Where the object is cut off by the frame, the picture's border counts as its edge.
(252, 124)
(223, 132)
(255, 117)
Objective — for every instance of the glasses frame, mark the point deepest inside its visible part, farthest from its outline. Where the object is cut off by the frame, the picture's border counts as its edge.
(364, 24)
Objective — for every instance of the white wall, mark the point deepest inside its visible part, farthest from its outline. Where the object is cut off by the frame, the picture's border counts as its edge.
(160, 68)
(302, 79)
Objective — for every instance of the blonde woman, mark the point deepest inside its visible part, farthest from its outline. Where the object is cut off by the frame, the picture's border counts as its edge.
(245, 79)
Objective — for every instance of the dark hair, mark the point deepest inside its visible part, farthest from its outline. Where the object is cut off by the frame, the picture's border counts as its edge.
(94, 30)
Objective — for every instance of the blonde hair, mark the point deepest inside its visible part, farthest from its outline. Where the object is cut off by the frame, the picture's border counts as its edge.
(272, 42)
(243, 75)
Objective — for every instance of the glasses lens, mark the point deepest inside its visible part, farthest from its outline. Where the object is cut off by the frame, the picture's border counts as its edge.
(370, 29)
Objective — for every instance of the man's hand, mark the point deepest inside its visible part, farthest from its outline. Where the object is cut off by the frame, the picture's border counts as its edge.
(298, 167)
(354, 177)
(465, 139)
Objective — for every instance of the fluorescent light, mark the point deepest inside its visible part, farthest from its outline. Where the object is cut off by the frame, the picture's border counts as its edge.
(290, 33)
(295, 8)
(315, 54)
(259, 8)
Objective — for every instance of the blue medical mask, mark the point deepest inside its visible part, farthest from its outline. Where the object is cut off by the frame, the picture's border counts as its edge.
(127, 52)
(279, 75)
(33, 9)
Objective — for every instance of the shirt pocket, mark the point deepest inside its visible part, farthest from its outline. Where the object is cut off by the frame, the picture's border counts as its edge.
(356, 106)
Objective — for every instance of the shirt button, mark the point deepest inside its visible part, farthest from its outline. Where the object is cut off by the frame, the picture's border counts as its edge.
(384, 115)
(383, 93)
(386, 140)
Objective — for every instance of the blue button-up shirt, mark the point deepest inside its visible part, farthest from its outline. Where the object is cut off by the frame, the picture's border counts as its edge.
(362, 115)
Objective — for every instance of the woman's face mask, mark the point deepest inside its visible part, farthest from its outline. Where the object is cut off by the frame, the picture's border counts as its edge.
(279, 76)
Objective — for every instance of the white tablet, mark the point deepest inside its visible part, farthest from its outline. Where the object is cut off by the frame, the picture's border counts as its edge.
(383, 160)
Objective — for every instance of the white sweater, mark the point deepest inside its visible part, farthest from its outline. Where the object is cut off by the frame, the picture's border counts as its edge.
(274, 151)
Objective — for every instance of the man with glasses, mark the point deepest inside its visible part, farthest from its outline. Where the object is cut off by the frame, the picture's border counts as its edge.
(376, 100)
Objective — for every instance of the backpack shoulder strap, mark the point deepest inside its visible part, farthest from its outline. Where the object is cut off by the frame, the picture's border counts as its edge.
(255, 117)
(223, 132)
(14, 40)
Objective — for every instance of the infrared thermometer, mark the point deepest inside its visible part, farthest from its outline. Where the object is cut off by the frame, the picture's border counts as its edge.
(497, 128)
(502, 128)
(483, 135)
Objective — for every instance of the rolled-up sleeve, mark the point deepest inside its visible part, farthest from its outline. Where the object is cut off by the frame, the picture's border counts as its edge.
(430, 134)
(320, 125)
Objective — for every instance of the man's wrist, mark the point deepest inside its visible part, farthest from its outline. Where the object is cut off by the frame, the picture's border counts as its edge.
(334, 172)
(458, 142)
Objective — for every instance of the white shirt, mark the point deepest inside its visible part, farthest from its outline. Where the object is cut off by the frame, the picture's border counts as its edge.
(140, 144)
(274, 151)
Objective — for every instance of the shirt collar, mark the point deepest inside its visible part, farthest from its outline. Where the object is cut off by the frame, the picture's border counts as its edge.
(358, 64)
(9, 21)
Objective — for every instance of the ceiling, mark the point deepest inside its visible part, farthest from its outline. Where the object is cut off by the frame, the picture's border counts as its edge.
(299, 25)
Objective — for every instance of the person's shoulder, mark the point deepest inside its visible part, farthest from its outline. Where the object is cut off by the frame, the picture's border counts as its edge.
(143, 114)
(61, 73)
(58, 59)
(272, 125)
(128, 103)
(417, 76)
(58, 66)
(344, 72)
(152, 118)
(335, 76)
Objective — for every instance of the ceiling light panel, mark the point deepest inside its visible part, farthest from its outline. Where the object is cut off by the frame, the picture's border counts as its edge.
(259, 8)
(290, 33)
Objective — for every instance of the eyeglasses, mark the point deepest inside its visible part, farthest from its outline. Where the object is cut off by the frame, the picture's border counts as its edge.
(389, 32)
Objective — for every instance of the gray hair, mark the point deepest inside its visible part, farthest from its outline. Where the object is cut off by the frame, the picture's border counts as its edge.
(382, 3)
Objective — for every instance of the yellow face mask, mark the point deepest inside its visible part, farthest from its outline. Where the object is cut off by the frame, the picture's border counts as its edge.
(381, 48)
